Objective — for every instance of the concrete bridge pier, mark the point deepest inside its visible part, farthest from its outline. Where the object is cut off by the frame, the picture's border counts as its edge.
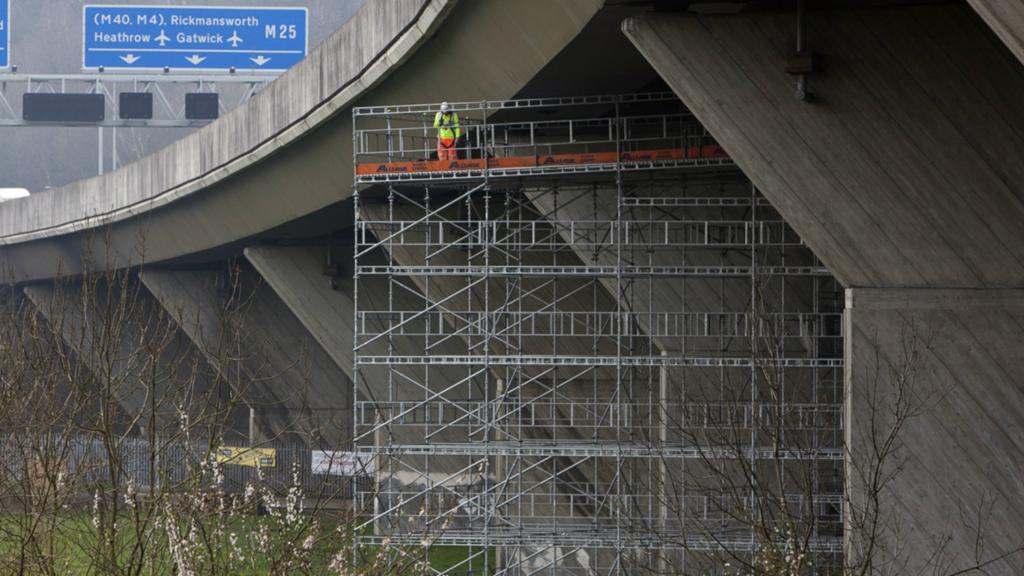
(284, 375)
(904, 174)
(103, 327)
(937, 371)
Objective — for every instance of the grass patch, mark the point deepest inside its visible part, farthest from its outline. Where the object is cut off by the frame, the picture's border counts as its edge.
(70, 544)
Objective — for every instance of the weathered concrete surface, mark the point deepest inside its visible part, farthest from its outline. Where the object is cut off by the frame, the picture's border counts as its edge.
(105, 326)
(906, 171)
(904, 175)
(1006, 18)
(300, 120)
(954, 355)
(282, 373)
(298, 276)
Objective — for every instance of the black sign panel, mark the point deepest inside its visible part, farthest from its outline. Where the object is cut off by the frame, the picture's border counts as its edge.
(135, 105)
(201, 106)
(73, 108)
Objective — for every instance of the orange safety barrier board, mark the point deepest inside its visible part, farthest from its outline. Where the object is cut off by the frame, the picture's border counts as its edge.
(420, 166)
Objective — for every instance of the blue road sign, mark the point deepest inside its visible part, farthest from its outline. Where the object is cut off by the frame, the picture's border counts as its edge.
(5, 33)
(193, 37)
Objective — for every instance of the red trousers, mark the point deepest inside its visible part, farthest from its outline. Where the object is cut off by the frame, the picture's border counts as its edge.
(446, 149)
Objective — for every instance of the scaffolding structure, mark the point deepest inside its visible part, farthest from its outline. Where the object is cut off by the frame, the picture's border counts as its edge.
(588, 346)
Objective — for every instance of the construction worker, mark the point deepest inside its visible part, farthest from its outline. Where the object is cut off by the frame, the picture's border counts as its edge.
(448, 132)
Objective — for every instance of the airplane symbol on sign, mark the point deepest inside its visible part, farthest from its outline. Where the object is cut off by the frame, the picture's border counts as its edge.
(162, 38)
(235, 39)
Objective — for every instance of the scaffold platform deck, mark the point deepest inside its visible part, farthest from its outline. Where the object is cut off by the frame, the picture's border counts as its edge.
(545, 164)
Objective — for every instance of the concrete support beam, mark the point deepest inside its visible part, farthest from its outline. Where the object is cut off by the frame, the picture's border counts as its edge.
(950, 361)
(908, 166)
(298, 277)
(263, 351)
(50, 376)
(145, 363)
(1006, 19)
(904, 175)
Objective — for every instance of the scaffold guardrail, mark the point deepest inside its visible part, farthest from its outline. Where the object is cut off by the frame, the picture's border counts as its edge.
(455, 321)
(592, 271)
(399, 143)
(594, 418)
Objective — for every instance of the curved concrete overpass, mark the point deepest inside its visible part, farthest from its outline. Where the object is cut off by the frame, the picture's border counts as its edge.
(216, 187)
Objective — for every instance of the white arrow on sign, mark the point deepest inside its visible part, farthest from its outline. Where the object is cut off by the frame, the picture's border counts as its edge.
(195, 59)
(162, 38)
(260, 60)
(130, 58)
(235, 39)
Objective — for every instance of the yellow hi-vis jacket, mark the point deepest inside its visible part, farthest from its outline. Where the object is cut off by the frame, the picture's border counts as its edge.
(447, 125)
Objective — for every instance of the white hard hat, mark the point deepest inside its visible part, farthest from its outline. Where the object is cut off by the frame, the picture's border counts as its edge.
(445, 107)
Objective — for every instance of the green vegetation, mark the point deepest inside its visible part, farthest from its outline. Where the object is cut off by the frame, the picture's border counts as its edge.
(71, 544)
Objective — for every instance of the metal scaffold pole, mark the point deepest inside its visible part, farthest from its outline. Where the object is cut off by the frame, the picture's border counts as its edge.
(568, 329)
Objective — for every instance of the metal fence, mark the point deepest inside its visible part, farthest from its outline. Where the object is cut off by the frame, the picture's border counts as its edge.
(87, 462)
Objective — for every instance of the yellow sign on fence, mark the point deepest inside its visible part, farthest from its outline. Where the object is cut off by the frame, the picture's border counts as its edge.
(245, 456)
